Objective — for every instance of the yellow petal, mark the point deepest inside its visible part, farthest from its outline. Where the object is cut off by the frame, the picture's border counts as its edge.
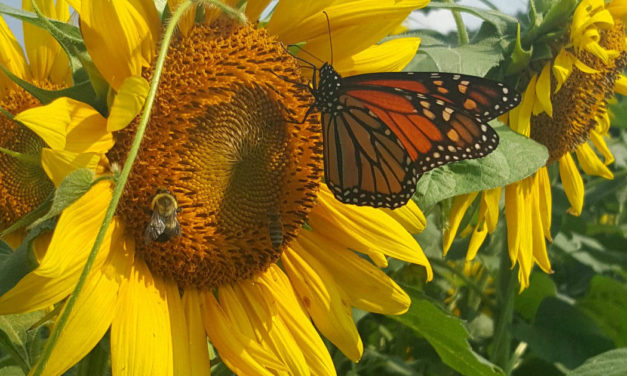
(365, 228)
(620, 86)
(391, 56)
(255, 7)
(324, 300)
(522, 113)
(187, 20)
(490, 200)
(618, 8)
(276, 285)
(572, 182)
(355, 26)
(476, 240)
(514, 213)
(369, 288)
(590, 163)
(127, 103)
(539, 244)
(51, 121)
(12, 57)
(76, 232)
(410, 216)
(289, 14)
(241, 354)
(141, 342)
(59, 163)
(544, 200)
(562, 67)
(460, 205)
(45, 55)
(543, 90)
(189, 341)
(87, 130)
(95, 309)
(599, 142)
(526, 236)
(120, 36)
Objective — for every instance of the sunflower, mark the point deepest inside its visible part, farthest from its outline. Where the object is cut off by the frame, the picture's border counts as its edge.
(219, 142)
(35, 145)
(564, 107)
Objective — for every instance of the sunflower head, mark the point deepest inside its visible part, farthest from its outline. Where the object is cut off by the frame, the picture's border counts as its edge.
(219, 139)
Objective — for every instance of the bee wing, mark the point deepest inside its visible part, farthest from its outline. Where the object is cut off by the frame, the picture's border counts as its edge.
(155, 228)
(172, 226)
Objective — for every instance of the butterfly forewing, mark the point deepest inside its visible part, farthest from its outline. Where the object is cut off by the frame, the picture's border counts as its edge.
(484, 99)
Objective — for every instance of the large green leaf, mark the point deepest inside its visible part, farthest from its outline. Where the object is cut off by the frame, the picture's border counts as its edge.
(540, 287)
(447, 334)
(606, 303)
(611, 363)
(475, 59)
(561, 333)
(514, 159)
(500, 20)
(17, 338)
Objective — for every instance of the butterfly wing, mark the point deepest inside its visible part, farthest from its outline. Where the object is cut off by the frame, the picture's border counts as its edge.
(365, 163)
(482, 98)
(382, 138)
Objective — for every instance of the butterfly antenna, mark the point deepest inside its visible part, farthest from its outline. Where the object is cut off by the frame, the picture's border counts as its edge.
(330, 39)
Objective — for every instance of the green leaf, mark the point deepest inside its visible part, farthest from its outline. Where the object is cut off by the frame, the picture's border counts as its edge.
(611, 363)
(541, 286)
(476, 59)
(561, 333)
(11, 371)
(606, 303)
(500, 20)
(519, 59)
(15, 337)
(21, 261)
(75, 185)
(446, 333)
(514, 159)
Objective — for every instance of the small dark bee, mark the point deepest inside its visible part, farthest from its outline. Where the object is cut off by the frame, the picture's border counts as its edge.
(275, 227)
(163, 224)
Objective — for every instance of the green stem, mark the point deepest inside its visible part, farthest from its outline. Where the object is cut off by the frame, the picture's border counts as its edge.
(506, 291)
(462, 33)
(30, 159)
(117, 191)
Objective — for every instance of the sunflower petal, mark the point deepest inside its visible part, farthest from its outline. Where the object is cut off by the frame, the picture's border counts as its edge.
(572, 182)
(11, 56)
(599, 142)
(410, 216)
(47, 59)
(539, 244)
(390, 56)
(276, 285)
(127, 103)
(461, 203)
(195, 359)
(620, 86)
(365, 229)
(543, 90)
(255, 7)
(59, 163)
(514, 213)
(239, 352)
(95, 309)
(590, 162)
(324, 300)
(476, 240)
(544, 200)
(369, 288)
(120, 36)
(141, 341)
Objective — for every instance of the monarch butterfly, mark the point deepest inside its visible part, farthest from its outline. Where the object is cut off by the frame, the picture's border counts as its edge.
(381, 131)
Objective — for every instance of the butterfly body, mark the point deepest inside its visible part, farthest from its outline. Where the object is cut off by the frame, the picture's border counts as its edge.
(381, 131)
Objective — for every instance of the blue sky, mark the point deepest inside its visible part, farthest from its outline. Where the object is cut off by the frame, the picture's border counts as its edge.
(440, 20)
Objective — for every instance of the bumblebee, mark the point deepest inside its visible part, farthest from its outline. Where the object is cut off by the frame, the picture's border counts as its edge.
(163, 224)
(275, 228)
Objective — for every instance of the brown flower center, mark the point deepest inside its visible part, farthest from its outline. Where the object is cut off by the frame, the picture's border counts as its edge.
(582, 98)
(23, 183)
(244, 178)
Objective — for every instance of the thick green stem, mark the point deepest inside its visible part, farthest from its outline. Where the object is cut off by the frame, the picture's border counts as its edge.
(462, 33)
(117, 190)
(505, 292)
